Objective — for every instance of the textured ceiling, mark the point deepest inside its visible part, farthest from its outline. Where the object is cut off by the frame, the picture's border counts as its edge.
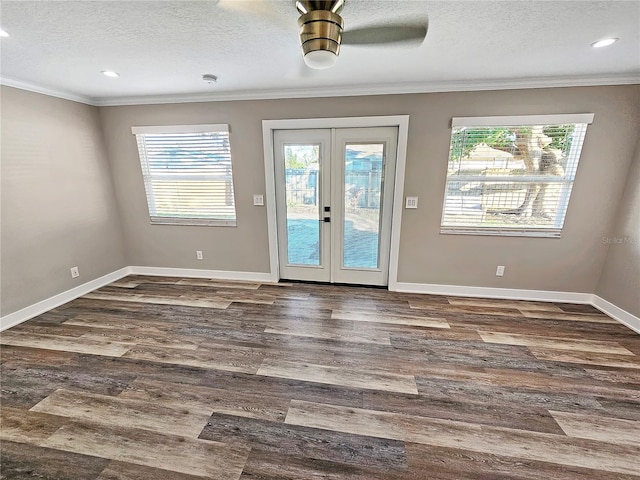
(162, 48)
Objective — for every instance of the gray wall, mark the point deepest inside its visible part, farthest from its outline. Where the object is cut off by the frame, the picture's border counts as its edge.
(572, 263)
(58, 204)
(59, 208)
(620, 280)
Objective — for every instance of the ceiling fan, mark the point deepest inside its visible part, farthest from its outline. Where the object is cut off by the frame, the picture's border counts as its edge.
(322, 32)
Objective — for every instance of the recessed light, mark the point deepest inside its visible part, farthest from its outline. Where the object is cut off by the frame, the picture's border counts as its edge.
(109, 73)
(3, 33)
(604, 43)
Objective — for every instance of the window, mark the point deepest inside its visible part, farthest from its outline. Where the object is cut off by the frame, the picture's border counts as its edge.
(512, 175)
(187, 174)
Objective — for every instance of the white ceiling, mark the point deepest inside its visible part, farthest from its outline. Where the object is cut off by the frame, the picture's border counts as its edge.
(162, 48)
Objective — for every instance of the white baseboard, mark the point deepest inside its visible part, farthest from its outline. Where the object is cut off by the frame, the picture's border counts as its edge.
(489, 292)
(617, 313)
(39, 308)
(601, 304)
(50, 303)
(197, 273)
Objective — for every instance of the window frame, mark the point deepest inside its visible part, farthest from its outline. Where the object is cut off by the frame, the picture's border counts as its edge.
(568, 179)
(195, 220)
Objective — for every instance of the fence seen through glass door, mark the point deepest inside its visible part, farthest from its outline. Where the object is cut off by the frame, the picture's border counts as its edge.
(302, 203)
(362, 193)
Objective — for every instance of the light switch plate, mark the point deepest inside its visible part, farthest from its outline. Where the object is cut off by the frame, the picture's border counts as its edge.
(258, 200)
(411, 202)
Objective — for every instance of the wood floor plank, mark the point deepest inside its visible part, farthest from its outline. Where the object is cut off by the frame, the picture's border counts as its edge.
(213, 460)
(582, 383)
(339, 335)
(469, 353)
(629, 377)
(448, 310)
(18, 425)
(301, 441)
(569, 316)
(554, 343)
(504, 397)
(586, 358)
(207, 400)
(160, 300)
(153, 339)
(338, 376)
(270, 465)
(605, 429)
(116, 470)
(238, 296)
(615, 408)
(67, 344)
(455, 464)
(58, 329)
(494, 440)
(153, 279)
(535, 326)
(519, 304)
(21, 461)
(410, 320)
(119, 322)
(124, 283)
(234, 359)
(204, 282)
(24, 387)
(124, 412)
(466, 408)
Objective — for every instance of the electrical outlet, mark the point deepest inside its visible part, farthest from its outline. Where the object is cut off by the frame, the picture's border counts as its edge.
(199, 254)
(75, 273)
(258, 200)
(411, 202)
(500, 271)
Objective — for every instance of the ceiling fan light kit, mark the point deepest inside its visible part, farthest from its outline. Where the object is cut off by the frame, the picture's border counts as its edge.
(320, 32)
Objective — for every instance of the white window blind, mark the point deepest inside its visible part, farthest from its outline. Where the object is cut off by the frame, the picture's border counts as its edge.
(512, 175)
(187, 174)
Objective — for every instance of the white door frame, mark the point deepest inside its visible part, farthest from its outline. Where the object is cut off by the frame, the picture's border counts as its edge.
(268, 126)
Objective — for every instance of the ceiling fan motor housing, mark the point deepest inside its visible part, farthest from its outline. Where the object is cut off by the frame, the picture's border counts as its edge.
(320, 30)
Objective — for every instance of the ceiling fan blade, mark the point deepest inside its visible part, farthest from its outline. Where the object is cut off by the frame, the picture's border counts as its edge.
(400, 35)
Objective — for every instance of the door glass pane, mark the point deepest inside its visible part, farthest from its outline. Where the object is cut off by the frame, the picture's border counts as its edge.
(302, 165)
(362, 208)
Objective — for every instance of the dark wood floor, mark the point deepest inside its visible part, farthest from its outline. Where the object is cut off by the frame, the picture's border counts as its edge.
(165, 378)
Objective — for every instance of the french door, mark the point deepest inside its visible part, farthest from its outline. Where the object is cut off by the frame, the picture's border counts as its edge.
(334, 195)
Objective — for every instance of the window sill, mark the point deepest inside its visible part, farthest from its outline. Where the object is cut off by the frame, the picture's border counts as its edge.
(501, 232)
(195, 222)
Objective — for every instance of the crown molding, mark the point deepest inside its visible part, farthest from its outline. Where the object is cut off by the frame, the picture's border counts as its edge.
(354, 90)
(32, 87)
(345, 91)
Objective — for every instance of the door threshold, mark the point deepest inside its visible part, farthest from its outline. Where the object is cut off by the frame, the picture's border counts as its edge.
(335, 284)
